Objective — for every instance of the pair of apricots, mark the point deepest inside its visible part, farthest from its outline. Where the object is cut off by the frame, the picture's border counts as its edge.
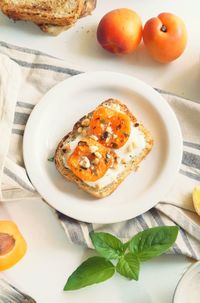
(12, 245)
(120, 32)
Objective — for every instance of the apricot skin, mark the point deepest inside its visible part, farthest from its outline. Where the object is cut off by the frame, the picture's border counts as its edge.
(165, 37)
(120, 31)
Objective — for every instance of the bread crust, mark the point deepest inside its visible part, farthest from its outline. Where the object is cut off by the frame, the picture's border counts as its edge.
(107, 190)
(55, 30)
(45, 16)
(40, 14)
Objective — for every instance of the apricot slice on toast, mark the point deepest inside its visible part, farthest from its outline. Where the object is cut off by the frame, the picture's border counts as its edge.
(110, 126)
(90, 160)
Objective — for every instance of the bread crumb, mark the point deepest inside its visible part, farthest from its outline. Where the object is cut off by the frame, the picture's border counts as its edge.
(93, 137)
(98, 155)
(85, 122)
(84, 132)
(79, 130)
(115, 165)
(123, 161)
(108, 157)
(131, 147)
(109, 129)
(84, 162)
(97, 186)
(148, 145)
(66, 148)
(93, 148)
(96, 161)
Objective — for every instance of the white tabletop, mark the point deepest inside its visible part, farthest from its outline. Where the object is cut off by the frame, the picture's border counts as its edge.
(50, 258)
(79, 48)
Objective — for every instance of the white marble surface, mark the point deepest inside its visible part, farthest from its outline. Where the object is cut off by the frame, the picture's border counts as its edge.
(50, 258)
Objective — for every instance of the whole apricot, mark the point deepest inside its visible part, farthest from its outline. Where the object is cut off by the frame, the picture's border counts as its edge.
(120, 31)
(165, 37)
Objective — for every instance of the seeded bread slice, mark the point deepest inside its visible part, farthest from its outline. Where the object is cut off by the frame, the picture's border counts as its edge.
(88, 7)
(54, 12)
(132, 166)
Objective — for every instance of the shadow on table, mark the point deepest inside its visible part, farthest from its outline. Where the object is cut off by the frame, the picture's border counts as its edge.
(189, 80)
(86, 45)
(25, 27)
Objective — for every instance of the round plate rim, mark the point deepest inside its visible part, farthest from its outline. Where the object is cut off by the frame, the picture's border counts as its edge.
(182, 279)
(90, 75)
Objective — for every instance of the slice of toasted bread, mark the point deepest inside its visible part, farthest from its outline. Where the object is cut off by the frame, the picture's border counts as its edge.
(88, 7)
(130, 166)
(54, 12)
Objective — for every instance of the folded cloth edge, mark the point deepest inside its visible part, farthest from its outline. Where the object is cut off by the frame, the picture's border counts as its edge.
(10, 77)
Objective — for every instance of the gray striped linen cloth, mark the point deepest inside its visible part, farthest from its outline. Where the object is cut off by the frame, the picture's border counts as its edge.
(10, 294)
(38, 73)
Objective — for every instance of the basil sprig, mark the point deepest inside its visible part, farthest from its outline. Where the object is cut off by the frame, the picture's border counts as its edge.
(128, 256)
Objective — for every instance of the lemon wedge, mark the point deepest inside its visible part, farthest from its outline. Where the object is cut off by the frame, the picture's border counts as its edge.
(196, 199)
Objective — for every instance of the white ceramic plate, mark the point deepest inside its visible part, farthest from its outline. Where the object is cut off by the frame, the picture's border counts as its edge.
(54, 117)
(187, 290)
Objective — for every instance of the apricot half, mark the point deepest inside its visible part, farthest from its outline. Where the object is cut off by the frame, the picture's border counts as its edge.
(12, 245)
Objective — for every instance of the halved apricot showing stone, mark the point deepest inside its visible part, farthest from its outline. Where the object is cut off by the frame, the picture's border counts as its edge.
(12, 245)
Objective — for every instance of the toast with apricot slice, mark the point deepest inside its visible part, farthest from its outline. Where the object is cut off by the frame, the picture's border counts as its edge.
(52, 16)
(103, 148)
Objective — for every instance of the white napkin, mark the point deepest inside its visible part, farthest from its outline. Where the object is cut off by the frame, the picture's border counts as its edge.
(40, 72)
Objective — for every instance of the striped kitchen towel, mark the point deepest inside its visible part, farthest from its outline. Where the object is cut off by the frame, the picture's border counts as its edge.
(10, 294)
(24, 80)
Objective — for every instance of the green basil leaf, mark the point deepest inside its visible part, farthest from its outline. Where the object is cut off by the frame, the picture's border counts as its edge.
(51, 159)
(129, 266)
(93, 270)
(125, 246)
(107, 245)
(153, 242)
